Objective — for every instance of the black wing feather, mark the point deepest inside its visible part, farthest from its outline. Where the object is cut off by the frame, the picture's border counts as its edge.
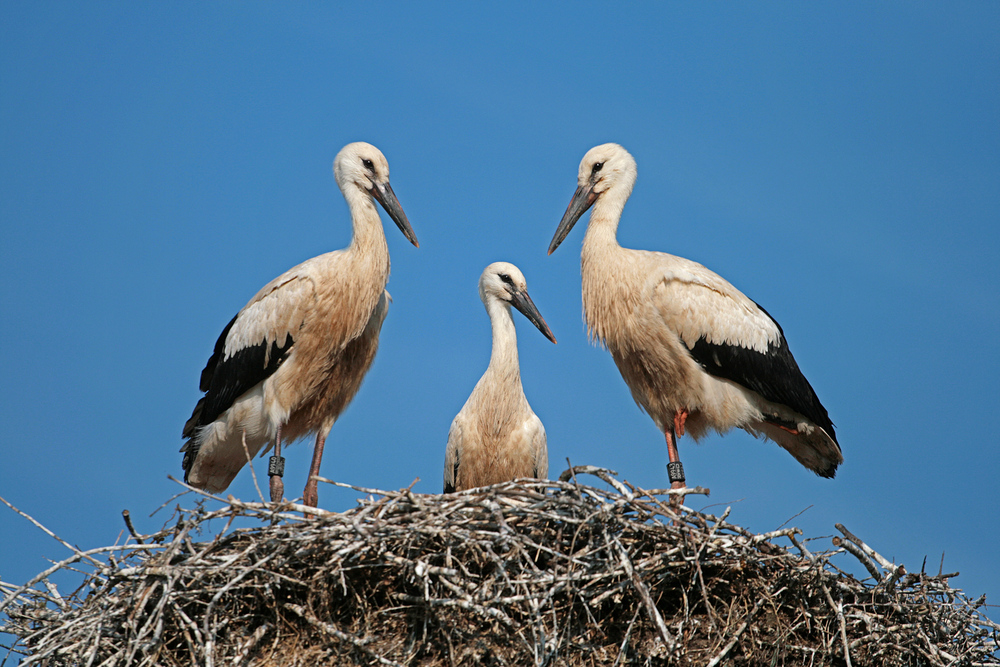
(240, 373)
(773, 374)
(213, 361)
(224, 380)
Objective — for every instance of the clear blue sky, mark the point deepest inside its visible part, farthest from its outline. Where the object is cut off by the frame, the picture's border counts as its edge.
(161, 162)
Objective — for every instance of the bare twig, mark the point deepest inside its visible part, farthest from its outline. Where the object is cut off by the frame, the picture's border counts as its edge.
(51, 534)
(871, 553)
(246, 451)
(860, 555)
(736, 635)
(131, 529)
(668, 640)
(341, 635)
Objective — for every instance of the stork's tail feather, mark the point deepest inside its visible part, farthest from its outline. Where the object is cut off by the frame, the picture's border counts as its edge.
(810, 444)
(192, 424)
(190, 448)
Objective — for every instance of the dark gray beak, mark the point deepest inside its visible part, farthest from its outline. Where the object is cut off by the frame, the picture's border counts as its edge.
(523, 302)
(384, 195)
(582, 200)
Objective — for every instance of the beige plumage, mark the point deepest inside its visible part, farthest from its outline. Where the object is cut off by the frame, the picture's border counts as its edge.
(496, 437)
(695, 352)
(293, 358)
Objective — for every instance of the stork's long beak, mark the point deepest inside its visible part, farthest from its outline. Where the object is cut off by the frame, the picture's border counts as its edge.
(384, 195)
(523, 302)
(582, 200)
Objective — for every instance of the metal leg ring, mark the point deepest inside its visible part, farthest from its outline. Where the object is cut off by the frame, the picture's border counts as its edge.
(276, 466)
(675, 470)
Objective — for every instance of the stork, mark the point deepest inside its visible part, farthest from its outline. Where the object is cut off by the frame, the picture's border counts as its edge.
(291, 360)
(496, 436)
(695, 352)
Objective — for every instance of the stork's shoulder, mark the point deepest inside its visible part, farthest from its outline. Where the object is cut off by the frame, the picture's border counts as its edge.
(277, 310)
(699, 303)
(532, 425)
(663, 268)
(380, 311)
(530, 439)
(308, 273)
(462, 425)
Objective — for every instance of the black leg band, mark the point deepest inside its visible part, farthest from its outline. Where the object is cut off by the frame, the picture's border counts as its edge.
(276, 466)
(676, 471)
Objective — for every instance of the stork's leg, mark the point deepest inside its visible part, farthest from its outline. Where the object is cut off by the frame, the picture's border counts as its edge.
(310, 496)
(675, 469)
(276, 469)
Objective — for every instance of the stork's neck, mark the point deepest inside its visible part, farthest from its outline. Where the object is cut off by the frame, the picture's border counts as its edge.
(504, 368)
(369, 237)
(608, 274)
(602, 231)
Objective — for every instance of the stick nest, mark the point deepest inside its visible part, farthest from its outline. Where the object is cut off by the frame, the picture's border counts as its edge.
(527, 573)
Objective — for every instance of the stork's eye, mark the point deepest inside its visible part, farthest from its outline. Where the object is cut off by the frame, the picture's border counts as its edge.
(597, 167)
(368, 164)
(504, 277)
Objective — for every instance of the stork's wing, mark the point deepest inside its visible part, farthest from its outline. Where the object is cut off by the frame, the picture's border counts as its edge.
(698, 303)
(733, 338)
(253, 345)
(451, 458)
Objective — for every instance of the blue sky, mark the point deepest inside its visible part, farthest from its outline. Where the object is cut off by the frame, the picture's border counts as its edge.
(841, 166)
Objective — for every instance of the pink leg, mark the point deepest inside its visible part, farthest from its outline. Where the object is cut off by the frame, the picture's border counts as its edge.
(674, 468)
(276, 468)
(310, 496)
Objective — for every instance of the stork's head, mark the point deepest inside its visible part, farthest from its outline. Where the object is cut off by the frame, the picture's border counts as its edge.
(607, 170)
(362, 167)
(503, 282)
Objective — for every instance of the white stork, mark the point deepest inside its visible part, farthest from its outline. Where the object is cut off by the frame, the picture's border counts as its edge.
(293, 358)
(695, 352)
(496, 437)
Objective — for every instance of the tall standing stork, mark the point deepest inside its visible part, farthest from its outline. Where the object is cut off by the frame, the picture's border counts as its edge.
(293, 358)
(695, 352)
(496, 436)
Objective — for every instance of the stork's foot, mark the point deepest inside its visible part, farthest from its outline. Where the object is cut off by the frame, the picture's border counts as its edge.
(680, 417)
